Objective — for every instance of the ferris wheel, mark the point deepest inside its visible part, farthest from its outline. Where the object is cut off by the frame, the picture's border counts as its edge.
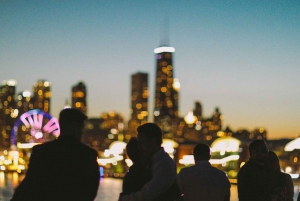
(38, 124)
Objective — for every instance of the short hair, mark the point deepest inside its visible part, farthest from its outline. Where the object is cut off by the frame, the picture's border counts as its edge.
(132, 149)
(70, 117)
(151, 130)
(255, 145)
(202, 150)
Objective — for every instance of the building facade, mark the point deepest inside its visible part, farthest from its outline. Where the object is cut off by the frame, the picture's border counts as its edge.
(79, 96)
(166, 90)
(139, 101)
(99, 133)
(42, 95)
(8, 111)
(24, 102)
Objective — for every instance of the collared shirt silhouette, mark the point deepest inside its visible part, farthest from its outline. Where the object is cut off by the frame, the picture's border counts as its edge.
(63, 169)
(202, 181)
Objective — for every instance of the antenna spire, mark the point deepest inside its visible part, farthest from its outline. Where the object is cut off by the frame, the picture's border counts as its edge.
(164, 38)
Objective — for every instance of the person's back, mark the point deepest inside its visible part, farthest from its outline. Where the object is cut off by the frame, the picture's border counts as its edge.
(202, 181)
(281, 185)
(63, 169)
(252, 177)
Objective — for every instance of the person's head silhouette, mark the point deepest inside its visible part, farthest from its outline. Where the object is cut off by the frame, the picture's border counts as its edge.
(201, 152)
(71, 122)
(149, 138)
(258, 150)
(132, 149)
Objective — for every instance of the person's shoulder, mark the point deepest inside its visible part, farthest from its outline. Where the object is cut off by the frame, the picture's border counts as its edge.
(44, 146)
(285, 175)
(219, 173)
(187, 169)
(248, 165)
(88, 149)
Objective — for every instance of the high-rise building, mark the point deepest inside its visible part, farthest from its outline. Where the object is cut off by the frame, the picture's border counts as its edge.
(79, 94)
(166, 87)
(198, 110)
(42, 95)
(139, 101)
(8, 111)
(24, 102)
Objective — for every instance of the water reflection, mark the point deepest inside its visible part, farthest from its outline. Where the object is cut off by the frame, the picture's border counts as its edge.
(109, 188)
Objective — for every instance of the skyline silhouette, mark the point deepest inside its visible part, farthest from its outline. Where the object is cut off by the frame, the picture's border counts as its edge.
(241, 57)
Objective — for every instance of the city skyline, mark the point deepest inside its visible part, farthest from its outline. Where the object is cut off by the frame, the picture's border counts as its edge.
(240, 57)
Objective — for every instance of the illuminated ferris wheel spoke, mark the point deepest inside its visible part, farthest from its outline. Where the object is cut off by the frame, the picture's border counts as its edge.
(33, 120)
(51, 127)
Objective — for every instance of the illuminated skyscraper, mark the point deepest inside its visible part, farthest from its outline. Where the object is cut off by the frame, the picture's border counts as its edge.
(8, 111)
(166, 87)
(42, 95)
(79, 97)
(24, 102)
(139, 101)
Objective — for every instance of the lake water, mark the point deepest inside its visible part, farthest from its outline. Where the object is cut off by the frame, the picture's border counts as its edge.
(108, 191)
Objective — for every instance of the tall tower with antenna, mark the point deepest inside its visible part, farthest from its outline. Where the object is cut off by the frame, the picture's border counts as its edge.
(166, 87)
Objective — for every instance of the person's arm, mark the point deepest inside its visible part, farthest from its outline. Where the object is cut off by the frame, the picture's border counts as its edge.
(92, 177)
(180, 180)
(228, 186)
(289, 188)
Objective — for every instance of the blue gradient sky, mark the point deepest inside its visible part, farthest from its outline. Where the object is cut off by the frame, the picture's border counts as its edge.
(240, 56)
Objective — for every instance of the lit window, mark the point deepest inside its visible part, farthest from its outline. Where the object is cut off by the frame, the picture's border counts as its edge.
(163, 89)
(164, 69)
(77, 104)
(144, 113)
(145, 95)
(48, 94)
(295, 159)
(46, 84)
(169, 103)
(79, 94)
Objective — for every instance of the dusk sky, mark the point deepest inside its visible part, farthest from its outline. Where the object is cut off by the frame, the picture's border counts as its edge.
(240, 56)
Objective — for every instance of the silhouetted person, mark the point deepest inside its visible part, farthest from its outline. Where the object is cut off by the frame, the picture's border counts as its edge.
(252, 177)
(162, 185)
(281, 184)
(138, 174)
(63, 169)
(202, 181)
